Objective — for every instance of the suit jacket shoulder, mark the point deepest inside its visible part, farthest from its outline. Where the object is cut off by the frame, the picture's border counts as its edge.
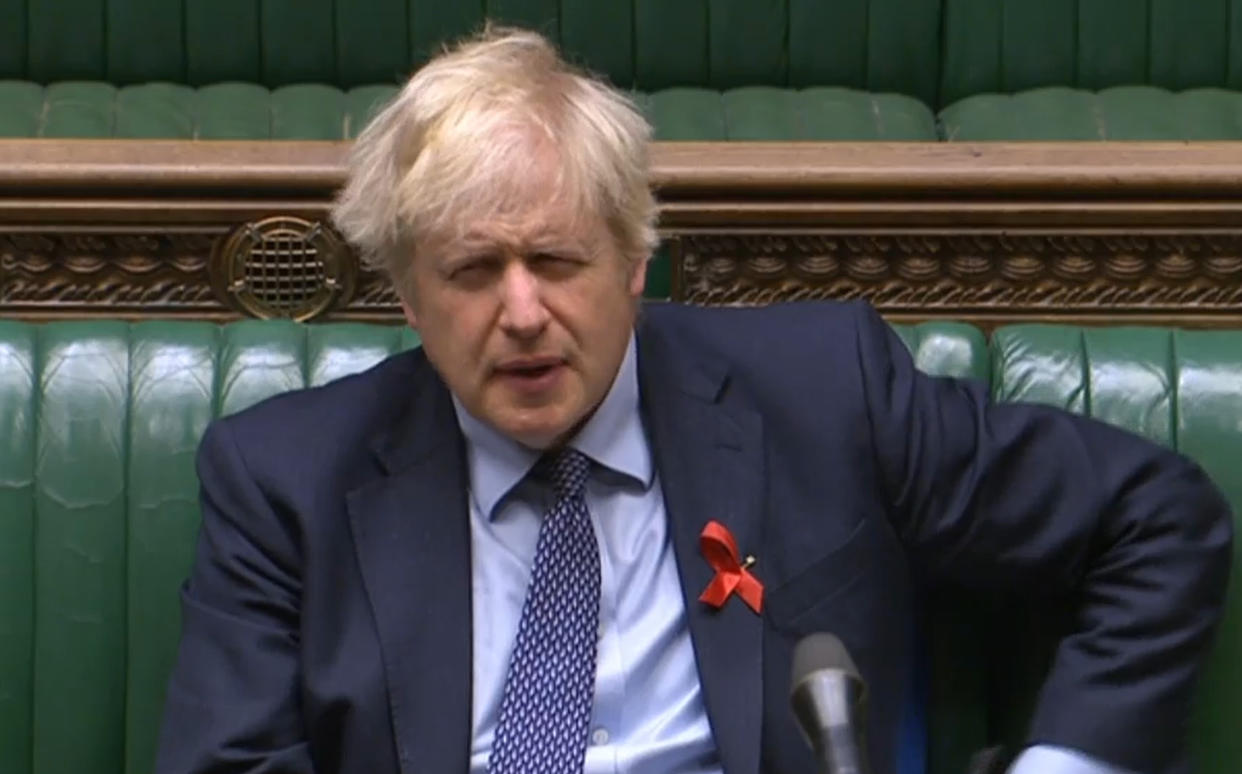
(328, 436)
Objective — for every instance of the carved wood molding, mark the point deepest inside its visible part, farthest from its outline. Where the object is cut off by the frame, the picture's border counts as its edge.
(679, 170)
(991, 233)
(62, 273)
(996, 277)
(92, 273)
(1191, 278)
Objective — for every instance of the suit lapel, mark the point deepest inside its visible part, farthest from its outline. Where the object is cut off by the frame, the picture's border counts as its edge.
(412, 534)
(708, 447)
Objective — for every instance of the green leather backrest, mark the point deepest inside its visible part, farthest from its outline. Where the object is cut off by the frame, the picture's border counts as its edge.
(1125, 113)
(938, 51)
(947, 349)
(878, 45)
(1182, 389)
(99, 423)
(1012, 45)
(247, 111)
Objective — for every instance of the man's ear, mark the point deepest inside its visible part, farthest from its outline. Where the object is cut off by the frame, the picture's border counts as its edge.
(638, 278)
(410, 317)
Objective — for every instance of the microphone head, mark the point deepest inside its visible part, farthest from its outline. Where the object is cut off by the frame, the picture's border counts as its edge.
(820, 651)
(828, 698)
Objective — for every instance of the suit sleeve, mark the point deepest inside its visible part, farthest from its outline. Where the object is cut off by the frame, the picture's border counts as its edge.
(232, 700)
(1010, 496)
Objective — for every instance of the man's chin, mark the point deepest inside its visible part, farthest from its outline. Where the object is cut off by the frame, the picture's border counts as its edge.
(536, 434)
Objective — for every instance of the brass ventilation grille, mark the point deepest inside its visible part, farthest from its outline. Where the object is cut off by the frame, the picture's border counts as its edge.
(284, 267)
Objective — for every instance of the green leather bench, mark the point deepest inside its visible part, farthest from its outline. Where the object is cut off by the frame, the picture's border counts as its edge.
(99, 423)
(707, 69)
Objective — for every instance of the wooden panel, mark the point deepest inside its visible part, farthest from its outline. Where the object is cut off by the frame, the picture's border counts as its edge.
(993, 233)
(1155, 171)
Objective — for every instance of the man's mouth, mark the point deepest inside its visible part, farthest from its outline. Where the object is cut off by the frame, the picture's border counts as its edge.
(531, 372)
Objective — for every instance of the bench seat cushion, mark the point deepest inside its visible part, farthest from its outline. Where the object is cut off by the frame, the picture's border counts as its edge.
(1120, 113)
(247, 111)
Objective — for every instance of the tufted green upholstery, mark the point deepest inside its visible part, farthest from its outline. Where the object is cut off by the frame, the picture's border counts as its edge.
(98, 510)
(769, 113)
(1181, 389)
(245, 111)
(1014, 45)
(1119, 113)
(877, 45)
(713, 69)
(226, 111)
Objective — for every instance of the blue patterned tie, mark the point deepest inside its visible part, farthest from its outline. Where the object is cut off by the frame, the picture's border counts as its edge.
(550, 685)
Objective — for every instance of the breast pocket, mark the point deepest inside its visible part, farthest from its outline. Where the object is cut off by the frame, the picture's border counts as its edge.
(835, 586)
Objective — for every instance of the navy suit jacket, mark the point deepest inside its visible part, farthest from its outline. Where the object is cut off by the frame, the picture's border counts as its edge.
(327, 617)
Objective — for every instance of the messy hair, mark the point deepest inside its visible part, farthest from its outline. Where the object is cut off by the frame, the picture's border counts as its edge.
(463, 135)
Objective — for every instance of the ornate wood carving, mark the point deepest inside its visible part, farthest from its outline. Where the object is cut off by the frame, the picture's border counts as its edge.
(1195, 277)
(44, 274)
(992, 233)
(997, 276)
(57, 273)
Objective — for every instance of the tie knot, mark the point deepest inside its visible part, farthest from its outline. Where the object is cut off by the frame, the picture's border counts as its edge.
(566, 470)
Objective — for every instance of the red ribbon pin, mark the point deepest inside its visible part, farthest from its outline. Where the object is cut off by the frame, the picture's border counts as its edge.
(732, 575)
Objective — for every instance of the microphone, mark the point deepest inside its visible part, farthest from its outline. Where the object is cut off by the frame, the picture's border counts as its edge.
(829, 699)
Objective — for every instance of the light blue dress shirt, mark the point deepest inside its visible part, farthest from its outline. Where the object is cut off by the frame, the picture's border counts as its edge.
(648, 716)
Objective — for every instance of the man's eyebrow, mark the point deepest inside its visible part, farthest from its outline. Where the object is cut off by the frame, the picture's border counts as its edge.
(471, 247)
(558, 243)
(568, 249)
(458, 258)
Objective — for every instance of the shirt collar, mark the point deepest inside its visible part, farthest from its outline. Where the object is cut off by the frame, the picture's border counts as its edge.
(613, 437)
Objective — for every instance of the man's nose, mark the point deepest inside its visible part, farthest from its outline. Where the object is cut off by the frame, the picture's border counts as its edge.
(522, 311)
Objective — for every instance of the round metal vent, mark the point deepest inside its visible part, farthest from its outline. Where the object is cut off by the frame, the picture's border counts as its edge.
(284, 267)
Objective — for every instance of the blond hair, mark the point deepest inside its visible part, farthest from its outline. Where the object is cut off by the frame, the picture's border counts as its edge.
(462, 137)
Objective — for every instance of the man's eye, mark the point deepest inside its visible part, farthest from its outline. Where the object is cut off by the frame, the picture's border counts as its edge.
(471, 270)
(553, 261)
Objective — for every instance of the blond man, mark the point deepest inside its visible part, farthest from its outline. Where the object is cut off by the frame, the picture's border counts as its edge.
(486, 555)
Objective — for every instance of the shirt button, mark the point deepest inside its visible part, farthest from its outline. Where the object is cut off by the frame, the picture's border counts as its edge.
(599, 736)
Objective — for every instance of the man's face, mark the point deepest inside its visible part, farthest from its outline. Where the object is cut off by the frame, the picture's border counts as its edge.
(526, 316)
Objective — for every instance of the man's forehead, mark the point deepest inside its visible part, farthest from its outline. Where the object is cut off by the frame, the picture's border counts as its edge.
(537, 227)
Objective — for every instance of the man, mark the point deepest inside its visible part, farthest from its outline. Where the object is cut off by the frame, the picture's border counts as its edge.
(485, 555)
